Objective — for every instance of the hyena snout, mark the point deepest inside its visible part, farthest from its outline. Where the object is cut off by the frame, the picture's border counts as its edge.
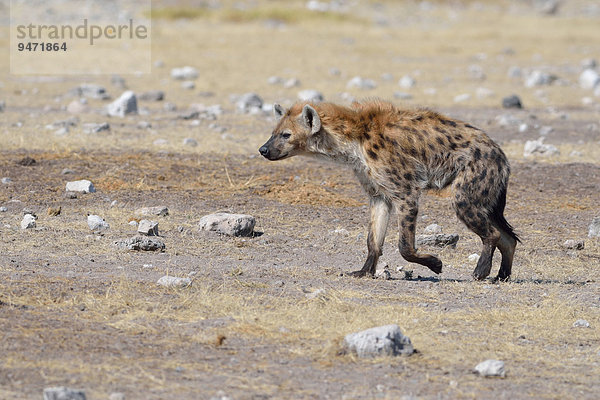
(264, 151)
(271, 151)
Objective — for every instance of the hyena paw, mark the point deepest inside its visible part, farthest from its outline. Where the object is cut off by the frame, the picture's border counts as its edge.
(501, 278)
(435, 264)
(358, 274)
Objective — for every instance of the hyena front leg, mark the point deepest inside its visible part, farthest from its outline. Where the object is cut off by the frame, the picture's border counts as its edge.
(407, 216)
(380, 216)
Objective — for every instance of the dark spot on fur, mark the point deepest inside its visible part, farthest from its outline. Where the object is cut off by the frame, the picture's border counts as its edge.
(477, 154)
(431, 146)
(447, 122)
(419, 118)
(471, 127)
(441, 130)
(483, 175)
(439, 140)
(408, 176)
(372, 154)
(390, 125)
(461, 204)
(409, 218)
(366, 135)
(485, 192)
(458, 136)
(375, 146)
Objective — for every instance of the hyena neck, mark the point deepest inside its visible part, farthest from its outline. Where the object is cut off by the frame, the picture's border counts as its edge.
(328, 145)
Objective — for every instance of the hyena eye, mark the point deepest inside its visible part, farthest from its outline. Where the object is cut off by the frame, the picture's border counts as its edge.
(286, 135)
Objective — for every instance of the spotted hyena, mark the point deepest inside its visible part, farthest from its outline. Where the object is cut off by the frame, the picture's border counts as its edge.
(396, 154)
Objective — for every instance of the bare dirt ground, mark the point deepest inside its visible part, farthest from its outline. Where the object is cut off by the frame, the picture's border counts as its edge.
(77, 312)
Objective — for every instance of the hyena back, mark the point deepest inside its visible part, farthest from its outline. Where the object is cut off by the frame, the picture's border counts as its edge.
(396, 154)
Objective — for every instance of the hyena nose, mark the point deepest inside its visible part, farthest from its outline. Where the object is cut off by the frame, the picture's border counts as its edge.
(264, 151)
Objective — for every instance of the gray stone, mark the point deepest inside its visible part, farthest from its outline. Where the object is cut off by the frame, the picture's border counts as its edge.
(274, 80)
(572, 244)
(539, 78)
(6, 180)
(512, 101)
(462, 97)
(594, 229)
(184, 73)
(28, 221)
(92, 127)
(76, 107)
(2, 106)
(581, 323)
(67, 171)
(148, 228)
(402, 96)
(63, 393)
(385, 340)
(407, 82)
(546, 130)
(548, 7)
(514, 72)
(589, 63)
(484, 93)
(438, 240)
(310, 95)
(118, 81)
(97, 223)
(172, 281)
(473, 258)
(290, 83)
(228, 224)
(476, 72)
(3, 209)
(507, 120)
(145, 243)
(158, 210)
(490, 368)
(333, 71)
(189, 85)
(125, 104)
(90, 91)
(66, 123)
(152, 95)
(537, 147)
(589, 79)
(116, 396)
(82, 186)
(190, 142)
(249, 102)
(361, 83)
(432, 229)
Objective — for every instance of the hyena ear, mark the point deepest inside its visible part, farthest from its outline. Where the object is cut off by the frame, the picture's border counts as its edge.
(278, 111)
(311, 119)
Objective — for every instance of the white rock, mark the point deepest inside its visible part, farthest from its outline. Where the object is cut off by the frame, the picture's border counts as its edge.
(3, 209)
(432, 228)
(462, 97)
(125, 104)
(581, 323)
(341, 231)
(589, 79)
(172, 281)
(523, 127)
(594, 228)
(91, 127)
(145, 243)
(184, 73)
(474, 257)
(514, 72)
(546, 130)
(489, 368)
(76, 107)
(290, 83)
(539, 78)
(361, 83)
(438, 240)
(133, 222)
(160, 142)
(484, 93)
(158, 210)
(572, 244)
(407, 82)
(249, 102)
(190, 142)
(117, 396)
(6, 180)
(310, 95)
(91, 91)
(189, 85)
(148, 228)
(403, 96)
(97, 223)
(589, 63)
(228, 224)
(537, 147)
(28, 221)
(507, 120)
(82, 186)
(274, 80)
(597, 91)
(385, 340)
(63, 393)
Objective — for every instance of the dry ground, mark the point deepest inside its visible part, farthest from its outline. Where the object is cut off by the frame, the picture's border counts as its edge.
(76, 312)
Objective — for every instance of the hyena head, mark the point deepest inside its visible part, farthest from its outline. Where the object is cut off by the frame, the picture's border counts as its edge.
(294, 129)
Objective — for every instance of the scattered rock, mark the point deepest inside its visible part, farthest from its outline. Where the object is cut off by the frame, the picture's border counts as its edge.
(310, 95)
(148, 228)
(484, 93)
(2, 106)
(190, 142)
(184, 73)
(76, 107)
(118, 81)
(572, 244)
(407, 82)
(274, 80)
(333, 71)
(594, 229)
(432, 229)
(63, 393)
(512, 101)
(361, 83)
(28, 221)
(116, 396)
(438, 240)
(3, 209)
(26, 161)
(387, 77)
(548, 7)
(6, 180)
(383, 274)
(539, 78)
(320, 294)
(97, 223)
(54, 211)
(474, 257)
(537, 147)
(476, 72)
(581, 323)
(507, 120)
(172, 281)
(82, 186)
(152, 95)
(92, 127)
(589, 79)
(145, 243)
(380, 341)
(249, 102)
(402, 96)
(70, 195)
(160, 142)
(290, 83)
(489, 368)
(589, 63)
(66, 123)
(90, 91)
(228, 224)
(125, 104)
(514, 72)
(158, 210)
(189, 85)
(546, 130)
(462, 97)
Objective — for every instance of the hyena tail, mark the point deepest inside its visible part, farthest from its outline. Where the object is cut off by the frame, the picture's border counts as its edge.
(497, 216)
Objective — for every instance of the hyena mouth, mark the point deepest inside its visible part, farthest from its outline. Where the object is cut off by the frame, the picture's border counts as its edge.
(271, 155)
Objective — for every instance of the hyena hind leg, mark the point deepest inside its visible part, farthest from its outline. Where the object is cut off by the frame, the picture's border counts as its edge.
(506, 245)
(407, 215)
(380, 216)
